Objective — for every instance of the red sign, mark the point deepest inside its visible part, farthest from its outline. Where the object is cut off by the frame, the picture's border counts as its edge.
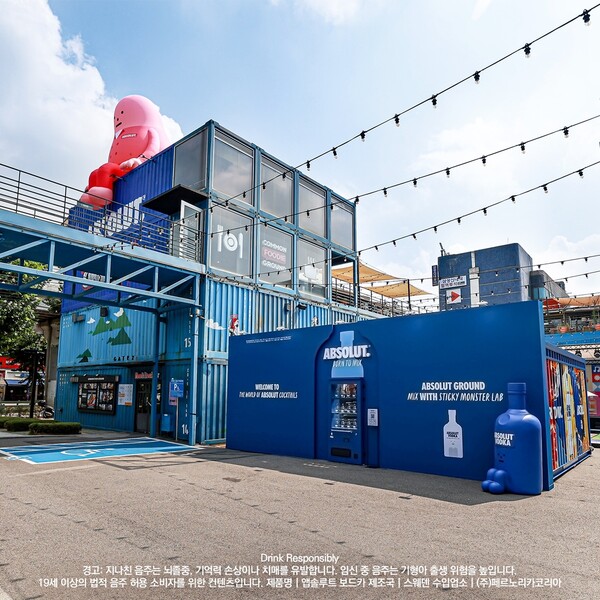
(6, 363)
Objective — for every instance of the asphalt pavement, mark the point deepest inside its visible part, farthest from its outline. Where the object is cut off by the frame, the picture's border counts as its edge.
(217, 523)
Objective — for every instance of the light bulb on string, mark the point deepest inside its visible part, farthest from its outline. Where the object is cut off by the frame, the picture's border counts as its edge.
(434, 100)
(334, 150)
(586, 16)
(527, 50)
(476, 76)
(397, 120)
(363, 135)
(447, 172)
(566, 131)
(580, 173)
(523, 147)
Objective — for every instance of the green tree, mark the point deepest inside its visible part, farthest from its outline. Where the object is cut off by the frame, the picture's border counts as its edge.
(19, 339)
(18, 320)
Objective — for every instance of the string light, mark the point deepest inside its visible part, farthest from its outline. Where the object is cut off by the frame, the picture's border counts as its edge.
(566, 131)
(545, 188)
(586, 16)
(512, 198)
(580, 173)
(523, 147)
(447, 172)
(396, 117)
(415, 182)
(385, 192)
(476, 76)
(484, 160)
(334, 150)
(308, 165)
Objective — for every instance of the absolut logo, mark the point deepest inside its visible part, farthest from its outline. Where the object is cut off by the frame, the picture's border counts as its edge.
(340, 352)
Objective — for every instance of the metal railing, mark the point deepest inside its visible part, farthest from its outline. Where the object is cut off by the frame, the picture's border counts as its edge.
(46, 200)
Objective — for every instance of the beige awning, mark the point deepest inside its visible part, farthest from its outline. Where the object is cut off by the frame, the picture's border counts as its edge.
(369, 275)
(366, 274)
(398, 290)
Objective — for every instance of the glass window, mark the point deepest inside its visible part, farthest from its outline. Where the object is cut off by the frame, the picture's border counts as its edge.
(231, 242)
(232, 172)
(312, 269)
(190, 162)
(311, 209)
(276, 197)
(275, 256)
(342, 224)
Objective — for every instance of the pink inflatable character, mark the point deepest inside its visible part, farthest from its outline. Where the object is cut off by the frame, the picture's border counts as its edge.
(139, 135)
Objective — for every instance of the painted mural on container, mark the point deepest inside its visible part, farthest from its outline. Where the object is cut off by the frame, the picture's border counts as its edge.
(568, 413)
(103, 334)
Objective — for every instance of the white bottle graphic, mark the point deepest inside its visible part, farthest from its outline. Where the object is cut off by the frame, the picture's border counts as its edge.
(453, 440)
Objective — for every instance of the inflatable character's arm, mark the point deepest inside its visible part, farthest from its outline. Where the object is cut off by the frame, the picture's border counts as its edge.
(152, 148)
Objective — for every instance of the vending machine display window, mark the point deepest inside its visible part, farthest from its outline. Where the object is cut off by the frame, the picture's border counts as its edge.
(345, 437)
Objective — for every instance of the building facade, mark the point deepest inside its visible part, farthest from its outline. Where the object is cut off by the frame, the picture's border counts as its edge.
(263, 239)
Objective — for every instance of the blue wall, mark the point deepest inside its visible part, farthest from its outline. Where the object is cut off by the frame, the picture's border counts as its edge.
(414, 374)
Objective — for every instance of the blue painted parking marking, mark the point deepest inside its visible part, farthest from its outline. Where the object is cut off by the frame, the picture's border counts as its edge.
(52, 453)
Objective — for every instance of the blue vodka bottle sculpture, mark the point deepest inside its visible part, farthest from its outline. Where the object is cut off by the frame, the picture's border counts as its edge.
(518, 449)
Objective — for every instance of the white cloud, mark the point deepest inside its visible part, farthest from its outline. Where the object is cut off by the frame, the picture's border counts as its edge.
(336, 12)
(55, 113)
(480, 7)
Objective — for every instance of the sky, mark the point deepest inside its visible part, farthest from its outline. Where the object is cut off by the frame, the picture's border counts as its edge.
(298, 77)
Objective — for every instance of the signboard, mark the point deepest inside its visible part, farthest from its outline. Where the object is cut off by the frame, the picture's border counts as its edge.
(176, 387)
(450, 282)
(96, 393)
(125, 394)
(435, 275)
(372, 417)
(453, 297)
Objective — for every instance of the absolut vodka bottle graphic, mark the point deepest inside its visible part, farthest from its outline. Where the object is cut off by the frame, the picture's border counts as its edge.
(349, 365)
(453, 440)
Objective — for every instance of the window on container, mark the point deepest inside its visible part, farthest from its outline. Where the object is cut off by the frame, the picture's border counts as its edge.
(312, 270)
(275, 256)
(311, 209)
(232, 171)
(190, 162)
(231, 242)
(276, 197)
(342, 224)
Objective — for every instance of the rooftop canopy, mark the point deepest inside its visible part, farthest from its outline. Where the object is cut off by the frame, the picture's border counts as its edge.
(366, 274)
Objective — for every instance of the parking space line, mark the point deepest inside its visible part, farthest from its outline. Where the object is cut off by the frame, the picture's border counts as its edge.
(61, 452)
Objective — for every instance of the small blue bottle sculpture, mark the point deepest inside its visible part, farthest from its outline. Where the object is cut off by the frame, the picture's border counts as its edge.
(518, 449)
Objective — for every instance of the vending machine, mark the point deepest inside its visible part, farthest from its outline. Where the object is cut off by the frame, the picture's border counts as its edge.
(345, 436)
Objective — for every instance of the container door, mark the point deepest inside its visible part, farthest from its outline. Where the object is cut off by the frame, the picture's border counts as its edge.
(345, 436)
(143, 402)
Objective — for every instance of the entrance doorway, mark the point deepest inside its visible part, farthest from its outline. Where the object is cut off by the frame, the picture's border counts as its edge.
(143, 403)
